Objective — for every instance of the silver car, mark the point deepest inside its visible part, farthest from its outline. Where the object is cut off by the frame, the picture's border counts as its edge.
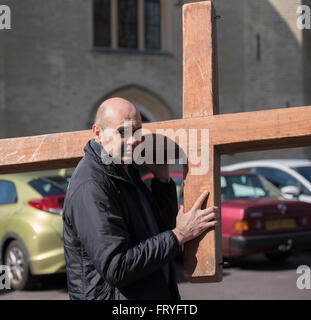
(291, 176)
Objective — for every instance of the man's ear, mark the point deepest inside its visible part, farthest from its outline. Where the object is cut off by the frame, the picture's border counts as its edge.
(96, 132)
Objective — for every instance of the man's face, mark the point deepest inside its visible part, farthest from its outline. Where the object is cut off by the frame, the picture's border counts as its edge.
(121, 134)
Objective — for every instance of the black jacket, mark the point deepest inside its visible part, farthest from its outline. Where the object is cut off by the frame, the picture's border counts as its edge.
(109, 250)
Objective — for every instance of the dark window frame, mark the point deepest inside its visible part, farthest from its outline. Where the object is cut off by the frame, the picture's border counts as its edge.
(99, 19)
(16, 195)
(120, 49)
(296, 183)
(157, 25)
(128, 21)
(37, 184)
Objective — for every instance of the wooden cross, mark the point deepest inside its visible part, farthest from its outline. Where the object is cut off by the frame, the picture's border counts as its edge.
(228, 133)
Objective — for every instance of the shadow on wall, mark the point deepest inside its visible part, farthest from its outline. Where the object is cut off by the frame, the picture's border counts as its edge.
(259, 57)
(261, 64)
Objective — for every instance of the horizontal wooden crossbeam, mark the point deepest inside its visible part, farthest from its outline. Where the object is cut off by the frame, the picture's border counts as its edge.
(252, 131)
(238, 132)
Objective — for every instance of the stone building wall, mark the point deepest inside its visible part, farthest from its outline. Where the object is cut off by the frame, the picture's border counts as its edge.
(52, 79)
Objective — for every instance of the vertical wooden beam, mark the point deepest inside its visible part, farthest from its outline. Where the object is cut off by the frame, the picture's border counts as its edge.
(200, 79)
(202, 256)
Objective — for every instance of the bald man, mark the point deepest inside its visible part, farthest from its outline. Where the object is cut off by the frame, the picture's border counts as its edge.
(120, 238)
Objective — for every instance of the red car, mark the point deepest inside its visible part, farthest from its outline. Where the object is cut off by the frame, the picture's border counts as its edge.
(256, 218)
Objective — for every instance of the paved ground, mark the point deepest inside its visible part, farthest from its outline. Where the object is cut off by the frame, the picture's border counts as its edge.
(253, 278)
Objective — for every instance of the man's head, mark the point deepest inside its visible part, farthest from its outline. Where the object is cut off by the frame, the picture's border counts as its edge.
(115, 124)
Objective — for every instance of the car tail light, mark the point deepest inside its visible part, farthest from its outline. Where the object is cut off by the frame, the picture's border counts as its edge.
(241, 225)
(52, 204)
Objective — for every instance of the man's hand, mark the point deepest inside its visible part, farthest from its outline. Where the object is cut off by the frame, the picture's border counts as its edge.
(160, 171)
(196, 221)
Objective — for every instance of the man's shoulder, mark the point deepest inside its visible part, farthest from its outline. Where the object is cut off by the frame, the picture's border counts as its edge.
(87, 173)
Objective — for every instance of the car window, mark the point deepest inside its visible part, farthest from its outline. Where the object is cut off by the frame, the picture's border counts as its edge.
(179, 189)
(278, 177)
(62, 181)
(304, 190)
(246, 186)
(51, 186)
(8, 192)
(304, 171)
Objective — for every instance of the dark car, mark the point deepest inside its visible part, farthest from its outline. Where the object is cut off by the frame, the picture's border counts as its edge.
(256, 218)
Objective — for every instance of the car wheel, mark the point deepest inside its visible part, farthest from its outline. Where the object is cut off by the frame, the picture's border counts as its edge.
(16, 259)
(278, 256)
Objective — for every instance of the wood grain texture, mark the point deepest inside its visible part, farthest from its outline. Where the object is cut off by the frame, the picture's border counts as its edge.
(250, 131)
(202, 257)
(200, 78)
(49, 151)
(229, 133)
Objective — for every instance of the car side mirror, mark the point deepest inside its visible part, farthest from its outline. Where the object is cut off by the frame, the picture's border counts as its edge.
(291, 190)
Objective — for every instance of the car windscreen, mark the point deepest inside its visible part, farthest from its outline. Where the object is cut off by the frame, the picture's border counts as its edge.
(246, 186)
(51, 186)
(179, 190)
(304, 171)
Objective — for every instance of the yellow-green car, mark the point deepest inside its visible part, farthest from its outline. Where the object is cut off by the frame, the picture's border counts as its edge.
(31, 224)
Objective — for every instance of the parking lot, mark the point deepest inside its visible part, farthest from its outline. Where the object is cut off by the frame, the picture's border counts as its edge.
(251, 278)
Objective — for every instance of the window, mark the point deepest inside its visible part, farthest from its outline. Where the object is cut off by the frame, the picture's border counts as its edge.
(246, 186)
(127, 24)
(304, 171)
(279, 178)
(7, 192)
(152, 24)
(52, 186)
(102, 23)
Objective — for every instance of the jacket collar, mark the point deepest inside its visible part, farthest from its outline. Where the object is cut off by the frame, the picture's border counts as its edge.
(98, 153)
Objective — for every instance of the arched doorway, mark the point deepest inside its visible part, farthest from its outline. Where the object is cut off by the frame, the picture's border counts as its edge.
(151, 106)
